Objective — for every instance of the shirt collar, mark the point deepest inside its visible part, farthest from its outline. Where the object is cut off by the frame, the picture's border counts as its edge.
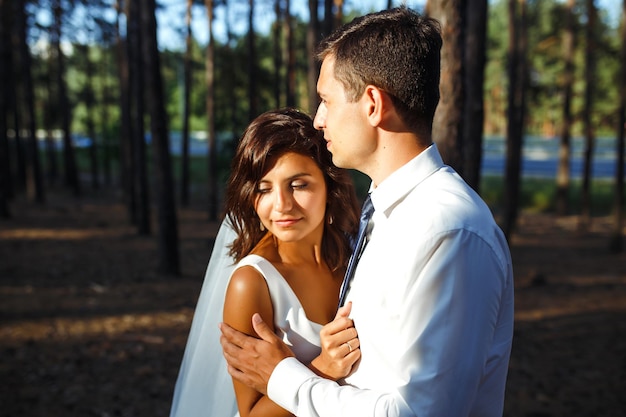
(397, 185)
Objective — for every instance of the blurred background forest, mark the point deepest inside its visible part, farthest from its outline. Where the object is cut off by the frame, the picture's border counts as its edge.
(118, 120)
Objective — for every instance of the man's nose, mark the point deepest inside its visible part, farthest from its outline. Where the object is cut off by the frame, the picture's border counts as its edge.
(319, 121)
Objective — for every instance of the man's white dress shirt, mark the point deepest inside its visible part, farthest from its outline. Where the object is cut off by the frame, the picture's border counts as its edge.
(432, 301)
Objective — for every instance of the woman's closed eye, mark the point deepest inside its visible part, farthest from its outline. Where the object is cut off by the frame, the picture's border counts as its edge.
(295, 185)
(263, 189)
(299, 185)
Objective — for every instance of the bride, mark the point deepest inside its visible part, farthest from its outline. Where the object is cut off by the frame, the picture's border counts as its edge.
(284, 244)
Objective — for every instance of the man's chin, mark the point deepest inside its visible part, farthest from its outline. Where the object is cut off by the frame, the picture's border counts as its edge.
(337, 160)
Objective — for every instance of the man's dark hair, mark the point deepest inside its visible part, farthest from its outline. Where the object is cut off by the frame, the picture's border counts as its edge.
(396, 50)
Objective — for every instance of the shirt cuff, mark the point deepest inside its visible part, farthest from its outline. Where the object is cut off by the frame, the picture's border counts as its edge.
(285, 382)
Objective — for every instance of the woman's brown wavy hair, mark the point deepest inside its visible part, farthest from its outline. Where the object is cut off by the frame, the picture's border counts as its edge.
(269, 136)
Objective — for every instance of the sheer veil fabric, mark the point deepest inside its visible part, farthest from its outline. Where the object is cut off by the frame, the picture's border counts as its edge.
(204, 387)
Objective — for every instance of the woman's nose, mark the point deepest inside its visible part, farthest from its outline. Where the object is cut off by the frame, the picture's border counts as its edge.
(283, 201)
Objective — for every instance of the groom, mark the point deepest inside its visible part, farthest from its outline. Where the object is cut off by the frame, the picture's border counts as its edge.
(432, 295)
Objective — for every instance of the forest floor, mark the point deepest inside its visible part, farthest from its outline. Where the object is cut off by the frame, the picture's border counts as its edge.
(89, 328)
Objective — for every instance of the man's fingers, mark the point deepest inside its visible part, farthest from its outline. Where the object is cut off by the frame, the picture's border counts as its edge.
(251, 361)
(229, 349)
(231, 335)
(242, 377)
(262, 329)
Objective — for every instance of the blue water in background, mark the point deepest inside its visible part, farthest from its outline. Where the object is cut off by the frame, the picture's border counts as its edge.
(539, 154)
(540, 157)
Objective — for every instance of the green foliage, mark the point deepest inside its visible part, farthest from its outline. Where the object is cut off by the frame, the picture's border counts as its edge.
(232, 81)
(545, 25)
(495, 85)
(538, 194)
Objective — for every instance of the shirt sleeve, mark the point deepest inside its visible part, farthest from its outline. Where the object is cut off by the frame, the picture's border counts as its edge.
(449, 312)
(297, 389)
(459, 344)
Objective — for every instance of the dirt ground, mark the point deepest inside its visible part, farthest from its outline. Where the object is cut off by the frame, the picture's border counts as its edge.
(89, 328)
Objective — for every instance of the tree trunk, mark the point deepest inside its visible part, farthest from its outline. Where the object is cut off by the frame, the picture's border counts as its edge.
(5, 173)
(137, 64)
(312, 39)
(48, 120)
(253, 94)
(13, 117)
(91, 127)
(563, 174)
(290, 78)
(329, 18)
(5, 170)
(125, 142)
(585, 218)
(34, 178)
(184, 177)
(20, 152)
(6, 192)
(52, 172)
(617, 240)
(231, 80)
(474, 58)
(106, 139)
(164, 184)
(447, 125)
(69, 157)
(338, 13)
(515, 113)
(278, 52)
(210, 107)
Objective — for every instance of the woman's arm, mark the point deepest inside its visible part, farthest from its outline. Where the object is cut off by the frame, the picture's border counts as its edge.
(247, 294)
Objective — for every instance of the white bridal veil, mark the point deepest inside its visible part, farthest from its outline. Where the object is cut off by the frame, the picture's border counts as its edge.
(204, 387)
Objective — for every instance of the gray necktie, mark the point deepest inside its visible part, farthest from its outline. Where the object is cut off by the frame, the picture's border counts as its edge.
(366, 214)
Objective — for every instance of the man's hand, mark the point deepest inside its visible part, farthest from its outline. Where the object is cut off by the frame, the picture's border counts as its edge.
(251, 361)
(340, 347)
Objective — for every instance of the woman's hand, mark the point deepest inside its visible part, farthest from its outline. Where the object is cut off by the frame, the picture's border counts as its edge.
(340, 347)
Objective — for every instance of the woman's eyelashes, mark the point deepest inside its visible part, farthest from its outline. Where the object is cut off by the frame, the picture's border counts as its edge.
(295, 185)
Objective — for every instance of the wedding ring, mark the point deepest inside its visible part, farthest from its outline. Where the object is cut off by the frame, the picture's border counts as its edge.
(349, 346)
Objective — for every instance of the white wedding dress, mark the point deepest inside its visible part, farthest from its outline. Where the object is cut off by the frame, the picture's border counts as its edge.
(204, 387)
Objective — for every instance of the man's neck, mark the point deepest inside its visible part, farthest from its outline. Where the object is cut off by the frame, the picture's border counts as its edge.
(395, 150)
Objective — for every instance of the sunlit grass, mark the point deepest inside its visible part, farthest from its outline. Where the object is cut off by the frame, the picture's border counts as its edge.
(538, 195)
(56, 234)
(143, 325)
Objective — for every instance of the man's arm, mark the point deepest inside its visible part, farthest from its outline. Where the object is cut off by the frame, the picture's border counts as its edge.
(251, 361)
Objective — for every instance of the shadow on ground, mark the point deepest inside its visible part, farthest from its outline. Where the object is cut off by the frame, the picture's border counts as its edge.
(89, 328)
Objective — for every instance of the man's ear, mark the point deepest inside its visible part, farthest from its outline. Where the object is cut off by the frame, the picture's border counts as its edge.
(377, 102)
